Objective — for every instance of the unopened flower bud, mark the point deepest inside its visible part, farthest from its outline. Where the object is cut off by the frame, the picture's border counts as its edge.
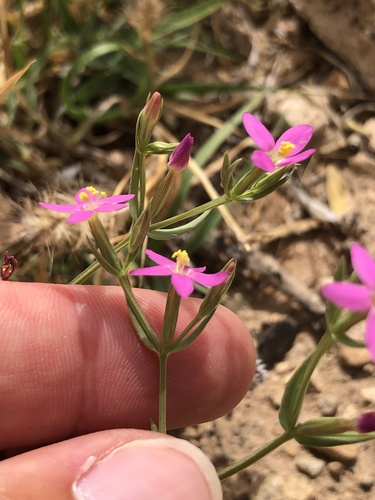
(366, 422)
(180, 157)
(8, 266)
(148, 118)
(324, 426)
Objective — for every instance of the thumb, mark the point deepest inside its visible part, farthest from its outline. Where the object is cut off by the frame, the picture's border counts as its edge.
(124, 464)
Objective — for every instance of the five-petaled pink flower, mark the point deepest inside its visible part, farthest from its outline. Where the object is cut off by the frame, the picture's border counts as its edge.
(90, 200)
(282, 153)
(182, 274)
(357, 297)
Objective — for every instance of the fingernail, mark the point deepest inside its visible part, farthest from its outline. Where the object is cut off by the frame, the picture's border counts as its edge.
(166, 468)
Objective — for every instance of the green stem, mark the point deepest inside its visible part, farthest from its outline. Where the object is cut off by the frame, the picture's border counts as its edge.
(92, 268)
(145, 332)
(163, 358)
(221, 200)
(254, 457)
(172, 308)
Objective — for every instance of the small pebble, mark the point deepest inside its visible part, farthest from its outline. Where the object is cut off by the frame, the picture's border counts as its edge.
(335, 469)
(346, 454)
(310, 465)
(368, 394)
(328, 406)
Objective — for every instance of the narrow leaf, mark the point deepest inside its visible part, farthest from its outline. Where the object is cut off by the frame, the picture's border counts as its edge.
(174, 232)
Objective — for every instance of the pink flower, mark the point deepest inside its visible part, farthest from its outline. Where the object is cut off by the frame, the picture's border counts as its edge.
(90, 200)
(282, 153)
(180, 157)
(356, 297)
(182, 274)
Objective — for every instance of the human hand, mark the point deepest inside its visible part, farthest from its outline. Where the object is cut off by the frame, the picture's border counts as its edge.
(74, 373)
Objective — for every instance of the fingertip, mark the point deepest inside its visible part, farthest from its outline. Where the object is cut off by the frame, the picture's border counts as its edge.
(174, 469)
(112, 465)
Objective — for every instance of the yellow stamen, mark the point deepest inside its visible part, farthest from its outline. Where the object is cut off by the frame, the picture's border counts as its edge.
(84, 196)
(285, 148)
(182, 258)
(92, 190)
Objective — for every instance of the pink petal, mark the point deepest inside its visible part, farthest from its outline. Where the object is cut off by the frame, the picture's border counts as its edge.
(263, 161)
(110, 208)
(348, 295)
(183, 284)
(363, 264)
(160, 259)
(60, 208)
(208, 279)
(370, 333)
(299, 135)
(289, 160)
(121, 198)
(196, 269)
(152, 271)
(79, 216)
(258, 132)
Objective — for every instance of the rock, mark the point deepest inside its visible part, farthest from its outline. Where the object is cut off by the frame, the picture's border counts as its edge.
(292, 448)
(346, 454)
(335, 469)
(328, 405)
(369, 128)
(364, 468)
(276, 396)
(277, 487)
(328, 20)
(368, 394)
(276, 340)
(353, 357)
(272, 487)
(351, 411)
(310, 465)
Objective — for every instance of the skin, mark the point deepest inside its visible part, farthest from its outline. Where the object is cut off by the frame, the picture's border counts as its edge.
(73, 373)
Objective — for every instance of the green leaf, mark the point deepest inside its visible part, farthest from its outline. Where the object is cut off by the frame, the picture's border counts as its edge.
(186, 18)
(295, 389)
(88, 57)
(174, 232)
(343, 338)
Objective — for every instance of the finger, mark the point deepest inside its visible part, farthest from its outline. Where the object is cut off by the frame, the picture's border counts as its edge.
(116, 464)
(70, 363)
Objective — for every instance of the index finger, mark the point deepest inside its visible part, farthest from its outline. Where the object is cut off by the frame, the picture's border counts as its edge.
(71, 363)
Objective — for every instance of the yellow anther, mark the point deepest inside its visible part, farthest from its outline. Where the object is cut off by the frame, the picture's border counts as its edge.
(92, 190)
(182, 258)
(85, 197)
(285, 148)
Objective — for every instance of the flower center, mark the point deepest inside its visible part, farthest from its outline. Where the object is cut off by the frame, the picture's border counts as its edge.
(83, 196)
(285, 148)
(182, 260)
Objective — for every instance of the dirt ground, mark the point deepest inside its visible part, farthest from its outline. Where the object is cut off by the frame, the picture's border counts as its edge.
(289, 244)
(314, 61)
